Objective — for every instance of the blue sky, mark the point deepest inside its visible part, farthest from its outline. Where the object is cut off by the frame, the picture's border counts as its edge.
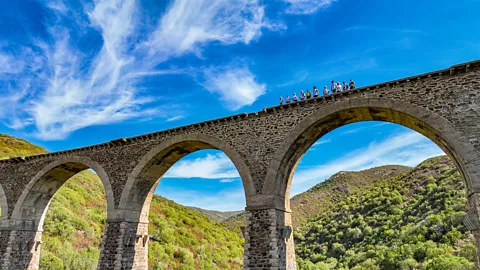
(75, 73)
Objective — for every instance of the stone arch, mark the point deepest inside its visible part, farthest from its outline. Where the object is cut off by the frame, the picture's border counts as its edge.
(431, 125)
(3, 204)
(33, 203)
(141, 183)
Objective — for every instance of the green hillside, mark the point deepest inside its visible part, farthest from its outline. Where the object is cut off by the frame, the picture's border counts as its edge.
(12, 147)
(75, 222)
(409, 221)
(321, 196)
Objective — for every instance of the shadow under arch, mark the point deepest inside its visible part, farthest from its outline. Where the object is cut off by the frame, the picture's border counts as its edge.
(35, 198)
(137, 194)
(3, 204)
(328, 118)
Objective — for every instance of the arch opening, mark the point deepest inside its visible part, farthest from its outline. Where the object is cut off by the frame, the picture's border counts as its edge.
(142, 182)
(192, 232)
(321, 123)
(66, 203)
(322, 242)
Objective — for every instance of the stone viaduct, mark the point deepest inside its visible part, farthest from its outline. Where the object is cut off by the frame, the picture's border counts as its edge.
(265, 147)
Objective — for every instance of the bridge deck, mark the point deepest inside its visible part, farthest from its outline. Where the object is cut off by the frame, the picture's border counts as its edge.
(463, 67)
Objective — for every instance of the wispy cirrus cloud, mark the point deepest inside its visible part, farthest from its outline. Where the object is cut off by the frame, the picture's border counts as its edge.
(190, 23)
(383, 29)
(306, 6)
(73, 89)
(212, 166)
(236, 85)
(408, 148)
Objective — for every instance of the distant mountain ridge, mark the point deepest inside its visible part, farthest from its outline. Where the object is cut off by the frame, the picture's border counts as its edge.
(216, 215)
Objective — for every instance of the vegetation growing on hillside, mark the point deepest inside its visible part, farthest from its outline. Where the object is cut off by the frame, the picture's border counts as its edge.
(189, 240)
(413, 221)
(75, 222)
(321, 196)
(12, 147)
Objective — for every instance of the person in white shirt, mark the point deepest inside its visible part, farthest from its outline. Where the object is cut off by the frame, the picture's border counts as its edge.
(281, 100)
(295, 98)
(333, 88)
(288, 99)
(325, 91)
(302, 95)
(339, 87)
(315, 91)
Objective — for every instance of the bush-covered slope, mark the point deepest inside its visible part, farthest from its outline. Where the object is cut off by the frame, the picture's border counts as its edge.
(319, 197)
(75, 222)
(186, 239)
(12, 147)
(410, 221)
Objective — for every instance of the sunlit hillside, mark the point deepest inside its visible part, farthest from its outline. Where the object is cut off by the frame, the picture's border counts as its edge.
(76, 218)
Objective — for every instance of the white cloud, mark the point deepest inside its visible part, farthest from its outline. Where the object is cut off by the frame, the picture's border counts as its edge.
(216, 166)
(175, 118)
(189, 23)
(69, 89)
(236, 85)
(322, 141)
(9, 65)
(383, 29)
(224, 200)
(227, 180)
(409, 149)
(306, 6)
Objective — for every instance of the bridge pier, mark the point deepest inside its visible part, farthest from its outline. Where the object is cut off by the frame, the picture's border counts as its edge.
(19, 245)
(124, 246)
(269, 240)
(472, 221)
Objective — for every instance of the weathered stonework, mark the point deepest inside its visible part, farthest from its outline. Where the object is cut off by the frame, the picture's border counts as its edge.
(264, 146)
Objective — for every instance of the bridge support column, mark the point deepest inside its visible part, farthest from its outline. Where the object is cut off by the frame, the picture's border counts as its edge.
(19, 245)
(472, 221)
(124, 246)
(269, 240)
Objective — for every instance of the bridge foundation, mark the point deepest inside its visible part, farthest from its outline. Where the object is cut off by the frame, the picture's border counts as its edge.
(124, 246)
(269, 240)
(19, 246)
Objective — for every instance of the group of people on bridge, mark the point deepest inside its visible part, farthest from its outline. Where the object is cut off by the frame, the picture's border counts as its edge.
(334, 88)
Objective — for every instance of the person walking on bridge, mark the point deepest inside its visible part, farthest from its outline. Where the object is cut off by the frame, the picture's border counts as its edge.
(315, 91)
(288, 99)
(294, 97)
(308, 95)
(339, 87)
(281, 100)
(325, 91)
(302, 95)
